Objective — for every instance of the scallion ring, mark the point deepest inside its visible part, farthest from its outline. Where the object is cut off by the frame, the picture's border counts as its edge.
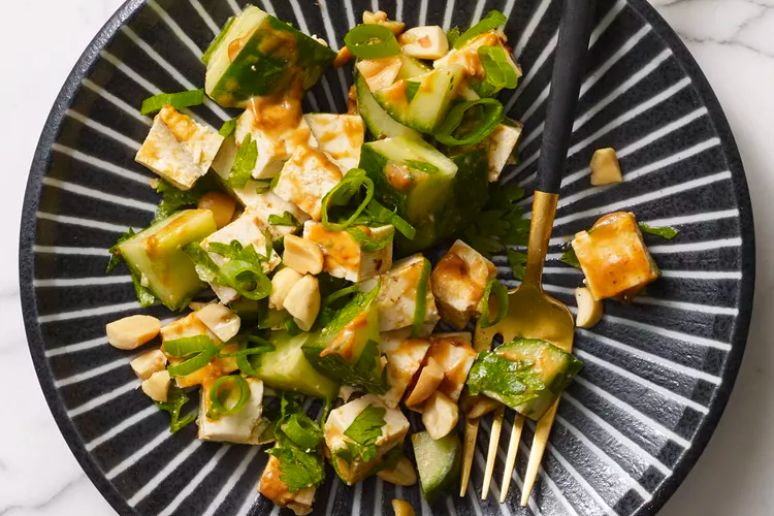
(492, 116)
(223, 391)
(371, 42)
(186, 346)
(176, 100)
(501, 294)
(342, 193)
(340, 293)
(194, 363)
(492, 21)
(499, 71)
(420, 306)
(300, 429)
(247, 279)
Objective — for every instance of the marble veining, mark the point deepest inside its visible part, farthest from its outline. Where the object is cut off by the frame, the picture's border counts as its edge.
(732, 41)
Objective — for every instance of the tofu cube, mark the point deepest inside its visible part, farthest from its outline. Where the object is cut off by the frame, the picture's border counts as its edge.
(393, 433)
(614, 258)
(404, 359)
(247, 230)
(459, 280)
(501, 144)
(343, 256)
(306, 178)
(379, 73)
(277, 130)
(468, 57)
(272, 487)
(341, 136)
(148, 363)
(191, 326)
(429, 42)
(397, 297)
(240, 428)
(455, 354)
(178, 148)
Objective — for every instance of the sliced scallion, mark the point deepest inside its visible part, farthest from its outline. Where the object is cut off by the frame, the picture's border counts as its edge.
(420, 307)
(194, 363)
(501, 294)
(176, 100)
(246, 278)
(300, 429)
(223, 396)
(493, 114)
(187, 346)
(371, 42)
(386, 216)
(492, 21)
(342, 193)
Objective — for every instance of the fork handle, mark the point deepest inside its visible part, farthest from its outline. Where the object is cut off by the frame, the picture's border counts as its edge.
(569, 64)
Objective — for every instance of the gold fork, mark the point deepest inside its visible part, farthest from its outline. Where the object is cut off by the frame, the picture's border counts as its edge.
(532, 313)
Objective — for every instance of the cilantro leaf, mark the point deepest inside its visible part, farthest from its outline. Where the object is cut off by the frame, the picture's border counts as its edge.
(453, 35)
(173, 199)
(244, 163)
(517, 261)
(664, 232)
(501, 223)
(287, 219)
(176, 398)
(364, 431)
(570, 258)
(366, 242)
(298, 469)
(144, 295)
(115, 255)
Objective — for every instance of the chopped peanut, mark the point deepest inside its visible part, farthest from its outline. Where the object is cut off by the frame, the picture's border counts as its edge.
(303, 302)
(132, 332)
(157, 386)
(149, 363)
(302, 255)
(221, 205)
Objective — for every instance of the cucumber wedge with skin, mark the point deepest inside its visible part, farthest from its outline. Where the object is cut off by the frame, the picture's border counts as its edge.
(428, 107)
(412, 67)
(379, 123)
(155, 255)
(527, 375)
(287, 369)
(438, 462)
(417, 181)
(261, 55)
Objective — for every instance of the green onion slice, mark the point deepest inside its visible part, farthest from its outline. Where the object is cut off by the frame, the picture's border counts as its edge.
(176, 100)
(498, 68)
(371, 42)
(218, 40)
(223, 396)
(342, 193)
(492, 21)
(263, 346)
(341, 293)
(186, 346)
(300, 429)
(194, 363)
(247, 279)
(501, 294)
(420, 307)
(228, 128)
(492, 116)
(387, 216)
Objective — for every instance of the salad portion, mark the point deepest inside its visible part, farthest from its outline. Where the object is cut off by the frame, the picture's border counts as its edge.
(297, 239)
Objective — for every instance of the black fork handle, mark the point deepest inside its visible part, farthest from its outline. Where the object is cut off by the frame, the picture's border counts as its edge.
(569, 64)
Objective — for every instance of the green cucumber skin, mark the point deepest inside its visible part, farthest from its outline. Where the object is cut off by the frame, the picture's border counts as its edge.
(379, 123)
(438, 462)
(181, 282)
(257, 73)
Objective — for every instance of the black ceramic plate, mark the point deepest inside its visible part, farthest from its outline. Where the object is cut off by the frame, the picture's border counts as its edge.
(658, 373)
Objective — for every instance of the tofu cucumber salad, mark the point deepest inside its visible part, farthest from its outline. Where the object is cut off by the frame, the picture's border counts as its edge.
(309, 229)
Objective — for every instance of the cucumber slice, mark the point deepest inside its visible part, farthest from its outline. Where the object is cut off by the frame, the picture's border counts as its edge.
(379, 123)
(438, 462)
(527, 375)
(414, 178)
(286, 368)
(412, 67)
(262, 55)
(155, 255)
(428, 107)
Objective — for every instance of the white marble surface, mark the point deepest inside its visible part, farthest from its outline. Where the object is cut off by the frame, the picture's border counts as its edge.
(733, 40)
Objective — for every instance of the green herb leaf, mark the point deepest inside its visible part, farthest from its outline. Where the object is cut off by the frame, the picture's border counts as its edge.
(144, 295)
(228, 128)
(365, 430)
(378, 215)
(500, 223)
(176, 399)
(244, 163)
(570, 258)
(501, 294)
(492, 21)
(298, 469)
(287, 219)
(663, 232)
(176, 100)
(342, 194)
(367, 243)
(262, 187)
(499, 72)
(517, 261)
(490, 116)
(115, 255)
(206, 268)
(173, 199)
(453, 35)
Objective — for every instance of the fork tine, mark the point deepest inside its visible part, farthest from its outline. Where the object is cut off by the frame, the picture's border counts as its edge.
(510, 461)
(468, 449)
(542, 429)
(494, 442)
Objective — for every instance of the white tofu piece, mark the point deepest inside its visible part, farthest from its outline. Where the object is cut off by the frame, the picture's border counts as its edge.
(404, 359)
(272, 487)
(341, 136)
(501, 144)
(247, 230)
(344, 258)
(468, 58)
(393, 433)
(305, 179)
(191, 326)
(429, 42)
(459, 280)
(454, 352)
(379, 73)
(396, 301)
(237, 428)
(178, 148)
(277, 129)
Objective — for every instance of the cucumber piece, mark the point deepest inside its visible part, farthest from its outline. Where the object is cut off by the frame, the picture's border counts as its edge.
(347, 348)
(287, 369)
(415, 179)
(527, 375)
(262, 55)
(438, 462)
(155, 255)
(428, 107)
(412, 67)
(379, 123)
